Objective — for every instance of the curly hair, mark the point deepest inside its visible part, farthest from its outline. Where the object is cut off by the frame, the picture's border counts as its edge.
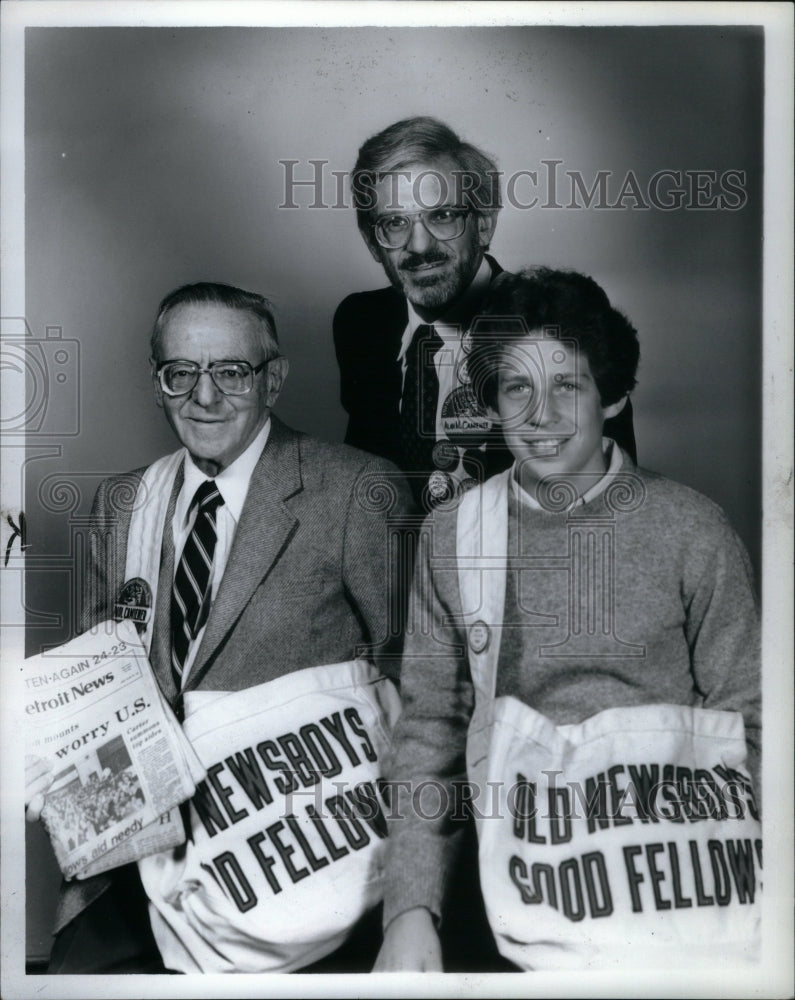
(564, 304)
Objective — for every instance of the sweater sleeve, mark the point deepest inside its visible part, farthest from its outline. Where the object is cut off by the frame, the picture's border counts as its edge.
(371, 573)
(428, 759)
(723, 633)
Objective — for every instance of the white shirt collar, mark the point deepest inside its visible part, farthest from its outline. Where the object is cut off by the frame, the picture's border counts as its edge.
(446, 328)
(615, 461)
(232, 483)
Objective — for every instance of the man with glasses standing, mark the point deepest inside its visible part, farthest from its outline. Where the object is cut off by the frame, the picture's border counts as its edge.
(426, 205)
(271, 558)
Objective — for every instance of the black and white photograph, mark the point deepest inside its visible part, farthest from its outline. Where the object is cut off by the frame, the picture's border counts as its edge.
(413, 382)
(95, 792)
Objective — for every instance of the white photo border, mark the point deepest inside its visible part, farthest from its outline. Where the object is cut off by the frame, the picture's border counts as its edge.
(774, 977)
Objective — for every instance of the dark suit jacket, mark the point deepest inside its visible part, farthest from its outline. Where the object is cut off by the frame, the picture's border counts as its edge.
(306, 582)
(368, 327)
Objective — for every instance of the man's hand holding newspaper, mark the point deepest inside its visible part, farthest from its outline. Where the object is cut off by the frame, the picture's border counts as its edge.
(107, 764)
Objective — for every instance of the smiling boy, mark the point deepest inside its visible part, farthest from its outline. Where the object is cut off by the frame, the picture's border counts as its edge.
(591, 623)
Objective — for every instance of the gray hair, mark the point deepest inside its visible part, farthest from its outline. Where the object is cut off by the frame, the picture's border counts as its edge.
(423, 140)
(223, 295)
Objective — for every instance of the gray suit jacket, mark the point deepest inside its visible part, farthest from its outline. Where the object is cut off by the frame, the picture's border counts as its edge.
(307, 581)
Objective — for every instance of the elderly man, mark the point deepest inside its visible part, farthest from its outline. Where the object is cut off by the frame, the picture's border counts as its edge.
(270, 557)
(427, 205)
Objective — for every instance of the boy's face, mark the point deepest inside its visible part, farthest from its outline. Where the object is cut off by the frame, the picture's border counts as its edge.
(550, 411)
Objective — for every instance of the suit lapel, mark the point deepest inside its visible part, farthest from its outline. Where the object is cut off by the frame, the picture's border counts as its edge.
(264, 529)
(495, 267)
(394, 319)
(398, 317)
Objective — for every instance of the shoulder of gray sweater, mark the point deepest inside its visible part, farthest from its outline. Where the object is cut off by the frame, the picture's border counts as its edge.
(691, 508)
(693, 524)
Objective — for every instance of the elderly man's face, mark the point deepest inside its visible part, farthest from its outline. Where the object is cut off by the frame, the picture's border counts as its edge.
(216, 429)
(431, 273)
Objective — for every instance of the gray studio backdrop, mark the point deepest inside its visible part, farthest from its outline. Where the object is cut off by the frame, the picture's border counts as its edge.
(153, 159)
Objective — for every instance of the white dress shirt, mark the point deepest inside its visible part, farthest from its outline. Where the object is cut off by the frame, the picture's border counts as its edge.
(233, 485)
(448, 354)
(447, 357)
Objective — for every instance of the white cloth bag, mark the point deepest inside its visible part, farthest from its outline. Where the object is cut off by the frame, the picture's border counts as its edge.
(506, 739)
(630, 840)
(287, 834)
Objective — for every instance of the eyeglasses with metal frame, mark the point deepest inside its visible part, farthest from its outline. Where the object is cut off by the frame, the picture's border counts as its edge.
(445, 223)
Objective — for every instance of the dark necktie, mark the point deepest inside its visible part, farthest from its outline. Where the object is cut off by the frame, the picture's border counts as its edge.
(191, 593)
(420, 399)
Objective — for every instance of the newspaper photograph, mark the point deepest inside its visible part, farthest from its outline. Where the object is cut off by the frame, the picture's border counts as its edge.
(120, 762)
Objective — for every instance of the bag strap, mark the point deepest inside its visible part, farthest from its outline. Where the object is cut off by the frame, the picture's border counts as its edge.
(481, 551)
(147, 524)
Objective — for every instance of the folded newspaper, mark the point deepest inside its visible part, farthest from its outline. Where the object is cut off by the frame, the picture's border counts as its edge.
(121, 763)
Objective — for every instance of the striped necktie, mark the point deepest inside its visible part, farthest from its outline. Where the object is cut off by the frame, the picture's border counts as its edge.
(190, 601)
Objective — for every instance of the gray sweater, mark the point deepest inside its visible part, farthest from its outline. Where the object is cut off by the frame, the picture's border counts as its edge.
(670, 616)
